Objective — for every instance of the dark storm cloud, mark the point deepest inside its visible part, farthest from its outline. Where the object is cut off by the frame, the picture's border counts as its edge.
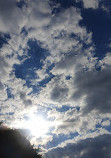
(98, 147)
(95, 86)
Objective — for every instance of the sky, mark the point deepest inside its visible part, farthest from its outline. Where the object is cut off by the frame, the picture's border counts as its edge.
(55, 74)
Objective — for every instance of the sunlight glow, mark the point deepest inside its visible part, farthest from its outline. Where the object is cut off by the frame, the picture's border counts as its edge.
(38, 126)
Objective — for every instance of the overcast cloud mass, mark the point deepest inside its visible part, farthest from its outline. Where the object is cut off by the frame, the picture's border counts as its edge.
(55, 63)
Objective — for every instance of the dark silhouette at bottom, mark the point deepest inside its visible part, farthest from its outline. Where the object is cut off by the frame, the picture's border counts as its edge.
(14, 145)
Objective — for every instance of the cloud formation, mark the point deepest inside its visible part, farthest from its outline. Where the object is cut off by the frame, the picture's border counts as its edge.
(50, 66)
(95, 87)
(88, 148)
(11, 17)
(91, 4)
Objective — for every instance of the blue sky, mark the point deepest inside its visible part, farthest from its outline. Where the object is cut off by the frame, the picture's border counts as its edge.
(55, 70)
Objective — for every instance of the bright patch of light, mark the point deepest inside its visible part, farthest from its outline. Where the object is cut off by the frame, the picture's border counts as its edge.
(38, 126)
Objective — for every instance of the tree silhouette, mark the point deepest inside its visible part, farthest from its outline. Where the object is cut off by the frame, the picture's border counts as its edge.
(14, 145)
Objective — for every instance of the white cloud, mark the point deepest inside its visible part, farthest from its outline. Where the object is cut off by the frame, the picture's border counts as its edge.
(83, 147)
(94, 4)
(106, 123)
(56, 35)
(39, 13)
(73, 121)
(106, 60)
(63, 37)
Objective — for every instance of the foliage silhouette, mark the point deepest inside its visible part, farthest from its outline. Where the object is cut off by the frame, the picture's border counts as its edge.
(14, 145)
